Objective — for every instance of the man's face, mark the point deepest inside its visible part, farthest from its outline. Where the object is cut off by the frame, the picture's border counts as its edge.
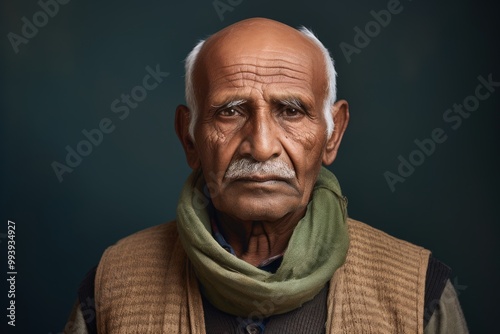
(262, 103)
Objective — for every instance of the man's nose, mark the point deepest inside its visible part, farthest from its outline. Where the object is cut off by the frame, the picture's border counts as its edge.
(260, 141)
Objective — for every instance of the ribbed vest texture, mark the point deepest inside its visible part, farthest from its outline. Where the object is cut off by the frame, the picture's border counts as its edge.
(381, 286)
(145, 284)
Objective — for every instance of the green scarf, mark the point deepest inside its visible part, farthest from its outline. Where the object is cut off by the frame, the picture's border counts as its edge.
(317, 247)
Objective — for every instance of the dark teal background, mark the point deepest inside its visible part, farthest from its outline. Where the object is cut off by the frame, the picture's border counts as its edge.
(64, 80)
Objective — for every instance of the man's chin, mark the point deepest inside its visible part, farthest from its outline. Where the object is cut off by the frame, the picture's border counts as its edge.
(256, 208)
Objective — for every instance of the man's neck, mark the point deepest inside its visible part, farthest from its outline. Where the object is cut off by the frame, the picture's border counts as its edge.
(256, 241)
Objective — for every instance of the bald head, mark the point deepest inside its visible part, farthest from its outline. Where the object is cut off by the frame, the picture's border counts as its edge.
(257, 35)
(261, 43)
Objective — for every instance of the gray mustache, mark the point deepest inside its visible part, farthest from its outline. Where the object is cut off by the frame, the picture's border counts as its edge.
(248, 168)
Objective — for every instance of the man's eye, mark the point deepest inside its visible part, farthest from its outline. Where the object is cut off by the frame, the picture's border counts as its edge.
(291, 112)
(229, 112)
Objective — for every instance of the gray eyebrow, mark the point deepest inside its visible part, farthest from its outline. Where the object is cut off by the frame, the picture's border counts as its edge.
(291, 102)
(230, 104)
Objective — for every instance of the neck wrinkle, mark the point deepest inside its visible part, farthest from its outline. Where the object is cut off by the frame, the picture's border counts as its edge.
(256, 241)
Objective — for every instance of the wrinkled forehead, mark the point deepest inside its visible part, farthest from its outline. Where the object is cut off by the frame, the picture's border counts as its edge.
(247, 61)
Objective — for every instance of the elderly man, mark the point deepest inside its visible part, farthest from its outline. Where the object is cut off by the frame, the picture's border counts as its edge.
(262, 242)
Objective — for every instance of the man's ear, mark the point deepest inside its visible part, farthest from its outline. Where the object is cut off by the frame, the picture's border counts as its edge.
(182, 117)
(340, 113)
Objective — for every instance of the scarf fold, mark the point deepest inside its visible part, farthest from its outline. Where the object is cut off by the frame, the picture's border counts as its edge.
(317, 247)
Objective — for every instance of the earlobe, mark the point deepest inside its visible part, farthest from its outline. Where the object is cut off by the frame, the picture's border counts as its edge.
(182, 118)
(340, 114)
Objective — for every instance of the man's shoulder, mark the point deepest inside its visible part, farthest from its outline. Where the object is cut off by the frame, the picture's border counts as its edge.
(397, 253)
(144, 243)
(159, 233)
(145, 253)
(360, 230)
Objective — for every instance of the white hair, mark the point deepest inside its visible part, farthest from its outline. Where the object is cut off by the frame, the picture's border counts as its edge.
(331, 93)
(331, 78)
